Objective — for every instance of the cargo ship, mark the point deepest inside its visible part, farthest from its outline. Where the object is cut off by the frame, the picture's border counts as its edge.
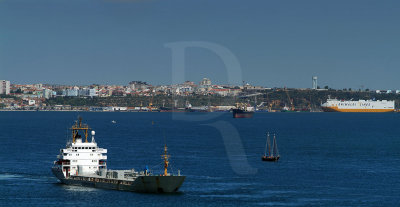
(334, 105)
(83, 163)
(242, 111)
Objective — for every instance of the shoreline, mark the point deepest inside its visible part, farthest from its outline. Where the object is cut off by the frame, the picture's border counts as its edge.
(2, 110)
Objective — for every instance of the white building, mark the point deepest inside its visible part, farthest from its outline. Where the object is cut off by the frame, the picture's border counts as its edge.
(38, 86)
(87, 92)
(205, 82)
(138, 85)
(4, 87)
(47, 93)
(184, 89)
(70, 92)
(31, 102)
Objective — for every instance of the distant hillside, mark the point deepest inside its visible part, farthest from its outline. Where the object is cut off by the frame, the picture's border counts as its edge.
(276, 99)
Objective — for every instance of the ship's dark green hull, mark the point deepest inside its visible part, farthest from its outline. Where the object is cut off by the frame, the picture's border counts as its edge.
(143, 184)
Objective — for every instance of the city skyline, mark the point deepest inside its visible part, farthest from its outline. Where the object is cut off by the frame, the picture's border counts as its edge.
(312, 85)
(278, 44)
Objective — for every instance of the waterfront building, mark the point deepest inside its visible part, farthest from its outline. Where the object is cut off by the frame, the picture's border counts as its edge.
(4, 87)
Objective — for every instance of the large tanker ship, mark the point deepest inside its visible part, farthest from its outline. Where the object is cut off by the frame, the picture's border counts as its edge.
(83, 163)
(334, 105)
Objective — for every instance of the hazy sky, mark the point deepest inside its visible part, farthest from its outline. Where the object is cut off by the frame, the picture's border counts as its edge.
(345, 43)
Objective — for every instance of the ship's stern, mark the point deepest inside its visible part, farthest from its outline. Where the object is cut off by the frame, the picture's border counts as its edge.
(57, 171)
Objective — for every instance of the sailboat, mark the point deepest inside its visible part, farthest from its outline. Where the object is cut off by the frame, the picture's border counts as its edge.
(271, 155)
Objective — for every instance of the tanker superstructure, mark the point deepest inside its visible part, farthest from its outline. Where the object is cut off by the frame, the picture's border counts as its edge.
(83, 163)
(334, 105)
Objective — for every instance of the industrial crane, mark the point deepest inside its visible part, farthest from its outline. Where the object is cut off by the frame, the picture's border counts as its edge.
(290, 100)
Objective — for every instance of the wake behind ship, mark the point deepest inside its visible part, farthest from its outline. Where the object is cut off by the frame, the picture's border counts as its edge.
(334, 105)
(83, 163)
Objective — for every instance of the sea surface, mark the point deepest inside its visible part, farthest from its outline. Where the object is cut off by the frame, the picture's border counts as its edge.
(327, 159)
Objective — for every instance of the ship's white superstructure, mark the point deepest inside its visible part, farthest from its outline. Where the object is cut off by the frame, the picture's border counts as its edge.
(81, 158)
(334, 105)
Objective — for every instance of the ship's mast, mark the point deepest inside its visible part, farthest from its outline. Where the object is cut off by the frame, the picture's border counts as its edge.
(165, 156)
(78, 126)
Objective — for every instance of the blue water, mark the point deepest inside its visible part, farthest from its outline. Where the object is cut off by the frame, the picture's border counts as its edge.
(327, 159)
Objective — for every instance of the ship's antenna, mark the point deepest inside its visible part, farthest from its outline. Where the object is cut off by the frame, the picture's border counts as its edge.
(78, 115)
(165, 138)
(165, 156)
(66, 136)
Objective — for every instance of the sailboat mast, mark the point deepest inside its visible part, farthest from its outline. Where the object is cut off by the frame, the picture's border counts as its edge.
(275, 147)
(269, 145)
(266, 146)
